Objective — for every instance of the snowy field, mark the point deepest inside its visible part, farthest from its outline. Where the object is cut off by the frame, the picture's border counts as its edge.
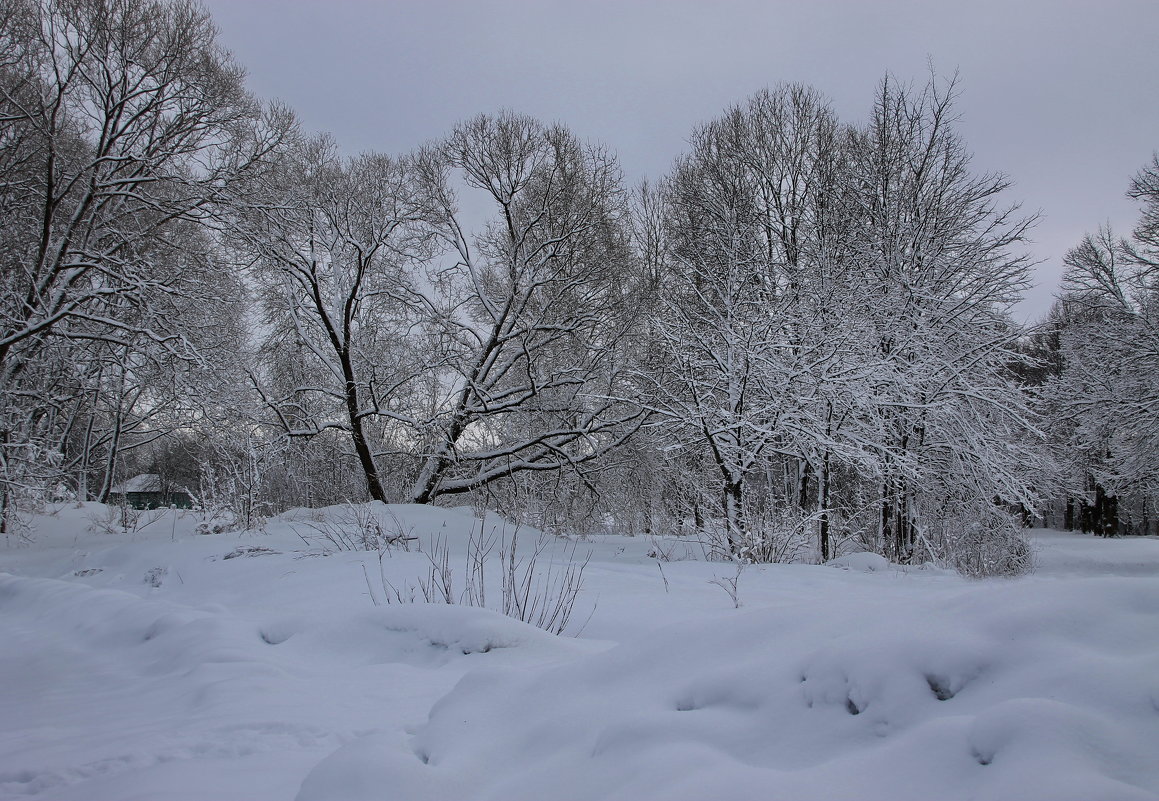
(164, 664)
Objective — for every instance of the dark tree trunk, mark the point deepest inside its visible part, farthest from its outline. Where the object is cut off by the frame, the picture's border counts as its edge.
(887, 518)
(358, 434)
(734, 514)
(805, 474)
(823, 503)
(1105, 514)
(897, 529)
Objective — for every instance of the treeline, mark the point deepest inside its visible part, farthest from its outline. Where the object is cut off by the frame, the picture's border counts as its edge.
(1096, 377)
(796, 343)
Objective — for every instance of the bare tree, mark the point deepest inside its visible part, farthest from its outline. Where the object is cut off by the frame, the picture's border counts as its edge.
(941, 252)
(1103, 405)
(749, 346)
(337, 244)
(119, 121)
(531, 313)
(836, 316)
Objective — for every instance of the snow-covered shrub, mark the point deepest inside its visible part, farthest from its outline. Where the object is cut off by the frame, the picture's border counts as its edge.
(122, 518)
(155, 576)
(730, 584)
(214, 526)
(994, 545)
(544, 597)
(358, 527)
(231, 494)
(667, 549)
(775, 537)
(24, 491)
(108, 519)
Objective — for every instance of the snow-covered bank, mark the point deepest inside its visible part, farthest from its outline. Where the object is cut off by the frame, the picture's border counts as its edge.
(167, 665)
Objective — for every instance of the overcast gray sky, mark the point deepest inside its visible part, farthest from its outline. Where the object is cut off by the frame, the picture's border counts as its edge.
(1061, 95)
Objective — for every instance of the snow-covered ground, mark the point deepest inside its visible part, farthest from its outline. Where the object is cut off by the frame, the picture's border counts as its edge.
(163, 664)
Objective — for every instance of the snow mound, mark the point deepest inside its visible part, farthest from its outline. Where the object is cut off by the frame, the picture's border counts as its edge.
(1021, 690)
(863, 562)
(420, 635)
(142, 663)
(152, 637)
(162, 637)
(458, 521)
(216, 688)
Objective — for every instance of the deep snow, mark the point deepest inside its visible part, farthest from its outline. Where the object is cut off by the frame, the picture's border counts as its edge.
(163, 664)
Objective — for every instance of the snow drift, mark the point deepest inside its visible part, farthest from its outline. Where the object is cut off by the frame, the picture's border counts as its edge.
(159, 668)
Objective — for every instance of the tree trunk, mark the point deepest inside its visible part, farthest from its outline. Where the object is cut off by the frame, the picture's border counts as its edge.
(357, 434)
(111, 458)
(897, 530)
(823, 506)
(361, 448)
(887, 518)
(4, 486)
(734, 527)
(804, 472)
(1105, 513)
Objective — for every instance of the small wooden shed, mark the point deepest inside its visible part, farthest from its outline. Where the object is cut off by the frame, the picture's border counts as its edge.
(148, 491)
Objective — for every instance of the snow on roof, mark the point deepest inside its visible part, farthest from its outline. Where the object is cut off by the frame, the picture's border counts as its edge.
(146, 482)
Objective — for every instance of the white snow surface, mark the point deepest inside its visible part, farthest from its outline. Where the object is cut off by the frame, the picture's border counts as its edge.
(163, 664)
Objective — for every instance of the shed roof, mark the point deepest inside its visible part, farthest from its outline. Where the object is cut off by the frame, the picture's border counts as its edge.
(146, 482)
